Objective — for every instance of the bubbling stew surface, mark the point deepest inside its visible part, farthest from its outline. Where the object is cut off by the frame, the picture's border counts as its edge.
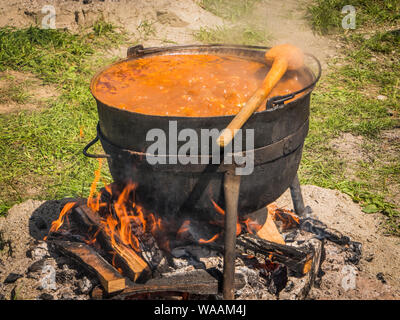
(187, 85)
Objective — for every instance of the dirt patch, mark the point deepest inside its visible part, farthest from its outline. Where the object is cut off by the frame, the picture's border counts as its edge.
(380, 254)
(165, 21)
(349, 148)
(23, 91)
(352, 150)
(285, 21)
(392, 137)
(391, 149)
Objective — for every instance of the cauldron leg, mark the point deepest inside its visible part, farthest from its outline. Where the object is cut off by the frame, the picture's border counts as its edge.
(297, 197)
(231, 192)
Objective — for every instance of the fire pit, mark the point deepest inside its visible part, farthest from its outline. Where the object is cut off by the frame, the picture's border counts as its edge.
(151, 211)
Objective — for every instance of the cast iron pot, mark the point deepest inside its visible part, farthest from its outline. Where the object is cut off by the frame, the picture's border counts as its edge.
(179, 190)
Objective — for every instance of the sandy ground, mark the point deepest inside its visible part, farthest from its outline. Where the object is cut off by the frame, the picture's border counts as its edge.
(37, 94)
(284, 20)
(352, 150)
(380, 254)
(172, 20)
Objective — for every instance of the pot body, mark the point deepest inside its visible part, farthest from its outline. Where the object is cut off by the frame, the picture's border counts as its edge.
(180, 190)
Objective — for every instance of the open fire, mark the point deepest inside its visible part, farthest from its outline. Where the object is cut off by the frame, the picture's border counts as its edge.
(125, 221)
(137, 243)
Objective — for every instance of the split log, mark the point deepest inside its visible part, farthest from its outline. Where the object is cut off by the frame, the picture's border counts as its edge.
(194, 282)
(132, 265)
(110, 279)
(318, 248)
(298, 260)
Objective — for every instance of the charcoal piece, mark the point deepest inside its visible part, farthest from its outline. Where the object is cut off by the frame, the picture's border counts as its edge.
(12, 277)
(46, 296)
(322, 231)
(37, 266)
(64, 276)
(353, 252)
(380, 277)
(369, 257)
(297, 259)
(84, 285)
(289, 286)
(277, 280)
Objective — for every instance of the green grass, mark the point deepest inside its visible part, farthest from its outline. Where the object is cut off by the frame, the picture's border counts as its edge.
(237, 34)
(43, 149)
(15, 93)
(241, 28)
(232, 10)
(326, 17)
(346, 101)
(146, 30)
(102, 28)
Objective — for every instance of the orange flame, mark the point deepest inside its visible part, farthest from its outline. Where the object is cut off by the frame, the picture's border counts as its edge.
(184, 227)
(56, 224)
(252, 226)
(221, 222)
(218, 208)
(215, 237)
(93, 203)
(287, 217)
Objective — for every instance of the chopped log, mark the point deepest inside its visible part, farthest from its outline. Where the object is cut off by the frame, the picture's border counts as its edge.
(110, 279)
(322, 231)
(318, 249)
(150, 252)
(298, 260)
(270, 232)
(133, 266)
(194, 282)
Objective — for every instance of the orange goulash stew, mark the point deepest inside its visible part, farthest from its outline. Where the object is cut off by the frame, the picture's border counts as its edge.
(187, 85)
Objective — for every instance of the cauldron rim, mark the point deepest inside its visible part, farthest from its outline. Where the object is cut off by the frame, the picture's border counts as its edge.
(215, 46)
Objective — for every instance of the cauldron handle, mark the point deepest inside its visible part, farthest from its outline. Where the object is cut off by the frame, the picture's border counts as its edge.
(90, 155)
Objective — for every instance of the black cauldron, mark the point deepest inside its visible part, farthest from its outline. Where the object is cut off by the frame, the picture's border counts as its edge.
(180, 190)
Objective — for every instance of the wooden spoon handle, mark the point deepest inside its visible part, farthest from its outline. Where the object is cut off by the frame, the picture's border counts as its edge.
(276, 72)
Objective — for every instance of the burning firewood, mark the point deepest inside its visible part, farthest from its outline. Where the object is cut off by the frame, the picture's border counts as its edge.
(318, 249)
(109, 277)
(270, 232)
(194, 282)
(124, 257)
(298, 260)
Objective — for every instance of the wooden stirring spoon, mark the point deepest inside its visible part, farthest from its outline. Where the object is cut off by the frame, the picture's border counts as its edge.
(282, 57)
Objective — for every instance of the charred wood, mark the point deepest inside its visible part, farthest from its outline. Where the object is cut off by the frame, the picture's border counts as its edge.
(319, 253)
(197, 282)
(110, 279)
(322, 231)
(297, 260)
